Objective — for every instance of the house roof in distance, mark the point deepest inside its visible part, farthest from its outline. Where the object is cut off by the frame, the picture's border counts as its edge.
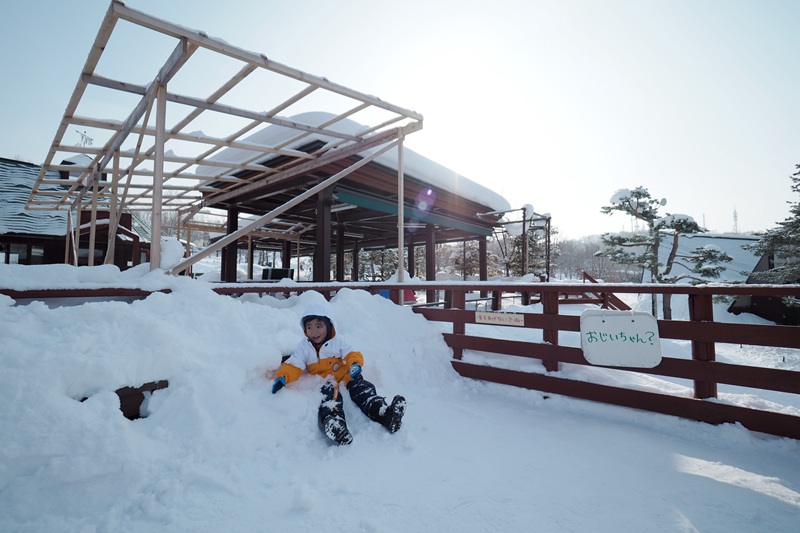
(16, 181)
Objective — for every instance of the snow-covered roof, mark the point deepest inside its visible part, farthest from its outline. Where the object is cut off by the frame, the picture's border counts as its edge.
(16, 180)
(744, 261)
(415, 166)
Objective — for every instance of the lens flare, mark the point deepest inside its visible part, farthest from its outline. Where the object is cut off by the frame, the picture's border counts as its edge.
(424, 203)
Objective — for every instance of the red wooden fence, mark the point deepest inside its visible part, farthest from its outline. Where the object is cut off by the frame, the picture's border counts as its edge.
(701, 330)
(702, 369)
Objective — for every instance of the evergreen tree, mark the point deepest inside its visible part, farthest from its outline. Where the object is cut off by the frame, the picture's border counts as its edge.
(465, 258)
(783, 245)
(378, 265)
(642, 248)
(512, 251)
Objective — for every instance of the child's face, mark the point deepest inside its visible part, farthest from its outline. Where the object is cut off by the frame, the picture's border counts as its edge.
(316, 330)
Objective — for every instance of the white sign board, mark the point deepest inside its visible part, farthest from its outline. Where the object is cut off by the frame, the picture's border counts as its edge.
(620, 338)
(500, 319)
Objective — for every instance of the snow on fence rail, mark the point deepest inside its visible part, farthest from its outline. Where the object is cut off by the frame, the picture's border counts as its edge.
(700, 329)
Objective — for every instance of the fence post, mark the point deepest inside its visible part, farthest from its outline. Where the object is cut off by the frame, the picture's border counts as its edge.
(550, 307)
(396, 295)
(525, 298)
(457, 299)
(701, 309)
(497, 300)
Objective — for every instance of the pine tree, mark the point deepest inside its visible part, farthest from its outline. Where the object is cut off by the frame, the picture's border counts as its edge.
(642, 248)
(783, 245)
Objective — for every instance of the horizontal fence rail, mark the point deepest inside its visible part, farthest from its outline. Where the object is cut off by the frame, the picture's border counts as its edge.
(459, 302)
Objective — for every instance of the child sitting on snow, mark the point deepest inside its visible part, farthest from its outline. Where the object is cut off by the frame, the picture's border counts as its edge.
(324, 353)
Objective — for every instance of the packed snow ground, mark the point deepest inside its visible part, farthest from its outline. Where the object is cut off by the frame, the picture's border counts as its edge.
(218, 452)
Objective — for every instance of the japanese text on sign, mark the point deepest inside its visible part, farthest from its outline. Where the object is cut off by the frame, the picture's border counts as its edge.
(500, 319)
(620, 338)
(634, 337)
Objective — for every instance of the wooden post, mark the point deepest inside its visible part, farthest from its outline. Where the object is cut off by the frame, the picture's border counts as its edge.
(550, 307)
(93, 216)
(701, 309)
(188, 251)
(340, 252)
(411, 254)
(111, 247)
(76, 235)
(458, 299)
(322, 253)
(400, 213)
(497, 300)
(68, 237)
(525, 298)
(231, 250)
(396, 296)
(286, 254)
(524, 242)
(483, 262)
(356, 253)
(430, 260)
(249, 257)
(158, 176)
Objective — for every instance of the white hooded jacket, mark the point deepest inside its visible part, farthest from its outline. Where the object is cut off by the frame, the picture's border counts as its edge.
(332, 359)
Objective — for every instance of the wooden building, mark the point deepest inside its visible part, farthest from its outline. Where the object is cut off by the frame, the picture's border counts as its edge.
(360, 211)
(30, 237)
(768, 307)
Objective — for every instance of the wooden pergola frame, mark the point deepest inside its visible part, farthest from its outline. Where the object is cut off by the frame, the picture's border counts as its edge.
(140, 139)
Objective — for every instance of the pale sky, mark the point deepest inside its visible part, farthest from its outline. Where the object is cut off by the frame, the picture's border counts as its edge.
(556, 104)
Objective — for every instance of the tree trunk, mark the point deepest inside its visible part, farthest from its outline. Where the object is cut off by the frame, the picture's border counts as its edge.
(667, 306)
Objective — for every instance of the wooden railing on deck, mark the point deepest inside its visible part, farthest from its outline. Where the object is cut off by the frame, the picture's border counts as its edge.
(702, 369)
(610, 300)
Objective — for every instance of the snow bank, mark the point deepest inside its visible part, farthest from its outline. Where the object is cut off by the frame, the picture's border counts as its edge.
(218, 452)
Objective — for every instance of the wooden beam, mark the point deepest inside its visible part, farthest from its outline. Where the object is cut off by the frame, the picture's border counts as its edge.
(205, 105)
(179, 56)
(201, 39)
(96, 51)
(189, 137)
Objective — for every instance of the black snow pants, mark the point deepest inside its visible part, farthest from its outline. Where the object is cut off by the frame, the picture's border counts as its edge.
(362, 392)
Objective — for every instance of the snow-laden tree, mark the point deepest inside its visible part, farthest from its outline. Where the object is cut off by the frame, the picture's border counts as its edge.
(642, 248)
(783, 245)
(465, 258)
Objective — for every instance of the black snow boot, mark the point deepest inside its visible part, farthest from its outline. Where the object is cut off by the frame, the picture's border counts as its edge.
(389, 416)
(334, 427)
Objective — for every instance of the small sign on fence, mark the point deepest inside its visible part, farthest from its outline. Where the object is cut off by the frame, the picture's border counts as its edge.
(620, 338)
(500, 319)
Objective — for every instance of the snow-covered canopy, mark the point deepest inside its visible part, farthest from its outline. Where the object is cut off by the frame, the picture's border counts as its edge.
(742, 264)
(414, 165)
